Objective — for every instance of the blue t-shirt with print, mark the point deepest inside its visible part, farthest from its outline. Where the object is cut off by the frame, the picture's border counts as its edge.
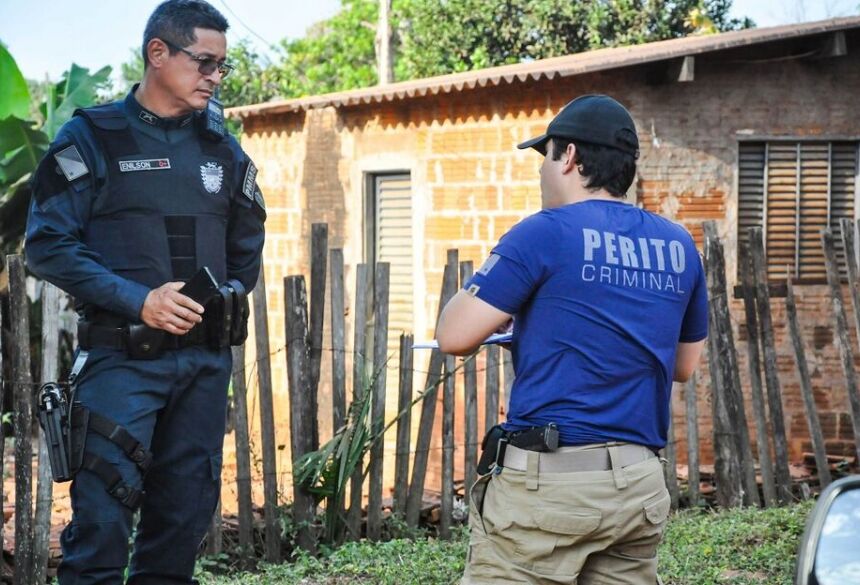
(602, 292)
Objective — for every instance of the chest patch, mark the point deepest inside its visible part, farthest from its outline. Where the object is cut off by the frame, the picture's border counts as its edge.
(212, 175)
(151, 164)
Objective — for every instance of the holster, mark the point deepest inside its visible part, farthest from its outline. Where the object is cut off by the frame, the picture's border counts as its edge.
(492, 449)
(227, 316)
(541, 439)
(64, 423)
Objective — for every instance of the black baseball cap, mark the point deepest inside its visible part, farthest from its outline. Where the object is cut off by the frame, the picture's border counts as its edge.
(595, 118)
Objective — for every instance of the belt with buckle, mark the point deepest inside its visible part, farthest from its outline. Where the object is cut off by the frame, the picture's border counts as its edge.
(91, 335)
(579, 458)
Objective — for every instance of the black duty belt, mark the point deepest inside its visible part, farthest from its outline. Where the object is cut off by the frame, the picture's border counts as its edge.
(92, 335)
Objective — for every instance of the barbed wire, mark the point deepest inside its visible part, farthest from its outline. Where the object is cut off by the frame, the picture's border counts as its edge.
(251, 366)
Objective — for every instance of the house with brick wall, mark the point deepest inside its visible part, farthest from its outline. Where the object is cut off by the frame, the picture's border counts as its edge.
(754, 127)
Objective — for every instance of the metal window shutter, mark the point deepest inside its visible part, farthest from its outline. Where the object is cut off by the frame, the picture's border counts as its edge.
(814, 166)
(394, 245)
(843, 173)
(781, 173)
(751, 159)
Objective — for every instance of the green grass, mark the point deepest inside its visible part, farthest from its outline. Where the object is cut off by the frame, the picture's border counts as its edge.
(754, 547)
(700, 547)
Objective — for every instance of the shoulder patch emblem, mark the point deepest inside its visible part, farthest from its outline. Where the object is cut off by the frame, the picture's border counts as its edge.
(71, 163)
(249, 183)
(212, 174)
(258, 197)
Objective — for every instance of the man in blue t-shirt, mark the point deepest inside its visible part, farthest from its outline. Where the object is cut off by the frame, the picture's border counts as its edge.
(610, 307)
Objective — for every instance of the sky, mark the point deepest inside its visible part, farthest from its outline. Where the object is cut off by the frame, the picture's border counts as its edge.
(46, 36)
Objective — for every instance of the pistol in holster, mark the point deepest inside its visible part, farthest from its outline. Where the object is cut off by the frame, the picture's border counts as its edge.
(541, 439)
(64, 423)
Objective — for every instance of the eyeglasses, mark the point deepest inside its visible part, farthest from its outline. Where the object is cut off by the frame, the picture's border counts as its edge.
(205, 65)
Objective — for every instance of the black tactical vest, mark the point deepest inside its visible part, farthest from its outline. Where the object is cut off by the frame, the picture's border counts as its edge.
(163, 210)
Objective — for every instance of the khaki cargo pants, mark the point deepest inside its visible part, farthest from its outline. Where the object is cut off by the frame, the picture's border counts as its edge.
(579, 528)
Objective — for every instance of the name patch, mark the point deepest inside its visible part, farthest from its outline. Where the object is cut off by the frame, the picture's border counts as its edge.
(151, 164)
(250, 179)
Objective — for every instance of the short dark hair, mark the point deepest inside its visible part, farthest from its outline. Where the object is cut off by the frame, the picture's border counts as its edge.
(603, 167)
(175, 20)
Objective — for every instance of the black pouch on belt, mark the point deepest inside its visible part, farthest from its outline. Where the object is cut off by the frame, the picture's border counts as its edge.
(143, 342)
(241, 311)
(492, 449)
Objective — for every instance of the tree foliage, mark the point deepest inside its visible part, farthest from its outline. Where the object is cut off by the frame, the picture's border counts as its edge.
(337, 54)
(444, 37)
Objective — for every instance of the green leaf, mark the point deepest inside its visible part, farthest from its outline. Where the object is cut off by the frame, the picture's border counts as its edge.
(14, 94)
(78, 90)
(21, 148)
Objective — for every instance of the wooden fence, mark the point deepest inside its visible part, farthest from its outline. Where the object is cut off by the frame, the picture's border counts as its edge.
(736, 465)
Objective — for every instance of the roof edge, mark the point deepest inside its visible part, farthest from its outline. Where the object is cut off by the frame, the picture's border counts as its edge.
(567, 65)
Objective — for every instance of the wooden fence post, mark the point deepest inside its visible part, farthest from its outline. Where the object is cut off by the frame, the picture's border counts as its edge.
(470, 394)
(759, 413)
(214, 536)
(301, 423)
(854, 287)
(692, 440)
(508, 369)
(22, 384)
(845, 350)
(731, 387)
(359, 378)
(670, 469)
(377, 411)
(44, 488)
(848, 249)
(491, 404)
(812, 421)
(2, 456)
(338, 341)
(319, 257)
(727, 465)
(447, 507)
(267, 420)
(404, 426)
(338, 351)
(243, 458)
(771, 374)
(415, 498)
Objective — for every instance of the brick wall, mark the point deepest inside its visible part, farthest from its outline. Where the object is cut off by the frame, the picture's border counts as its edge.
(470, 185)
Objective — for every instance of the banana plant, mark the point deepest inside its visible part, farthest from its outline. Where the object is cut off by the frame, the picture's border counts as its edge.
(325, 473)
(24, 141)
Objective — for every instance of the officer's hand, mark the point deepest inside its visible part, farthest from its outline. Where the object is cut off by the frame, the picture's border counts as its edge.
(166, 308)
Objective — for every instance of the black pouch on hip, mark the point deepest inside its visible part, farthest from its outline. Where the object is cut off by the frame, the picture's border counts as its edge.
(143, 342)
(241, 311)
(492, 449)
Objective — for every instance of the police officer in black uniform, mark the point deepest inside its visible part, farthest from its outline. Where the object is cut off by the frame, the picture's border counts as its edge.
(132, 199)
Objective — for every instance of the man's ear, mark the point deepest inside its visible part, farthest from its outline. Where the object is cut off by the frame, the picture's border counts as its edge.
(157, 52)
(569, 159)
